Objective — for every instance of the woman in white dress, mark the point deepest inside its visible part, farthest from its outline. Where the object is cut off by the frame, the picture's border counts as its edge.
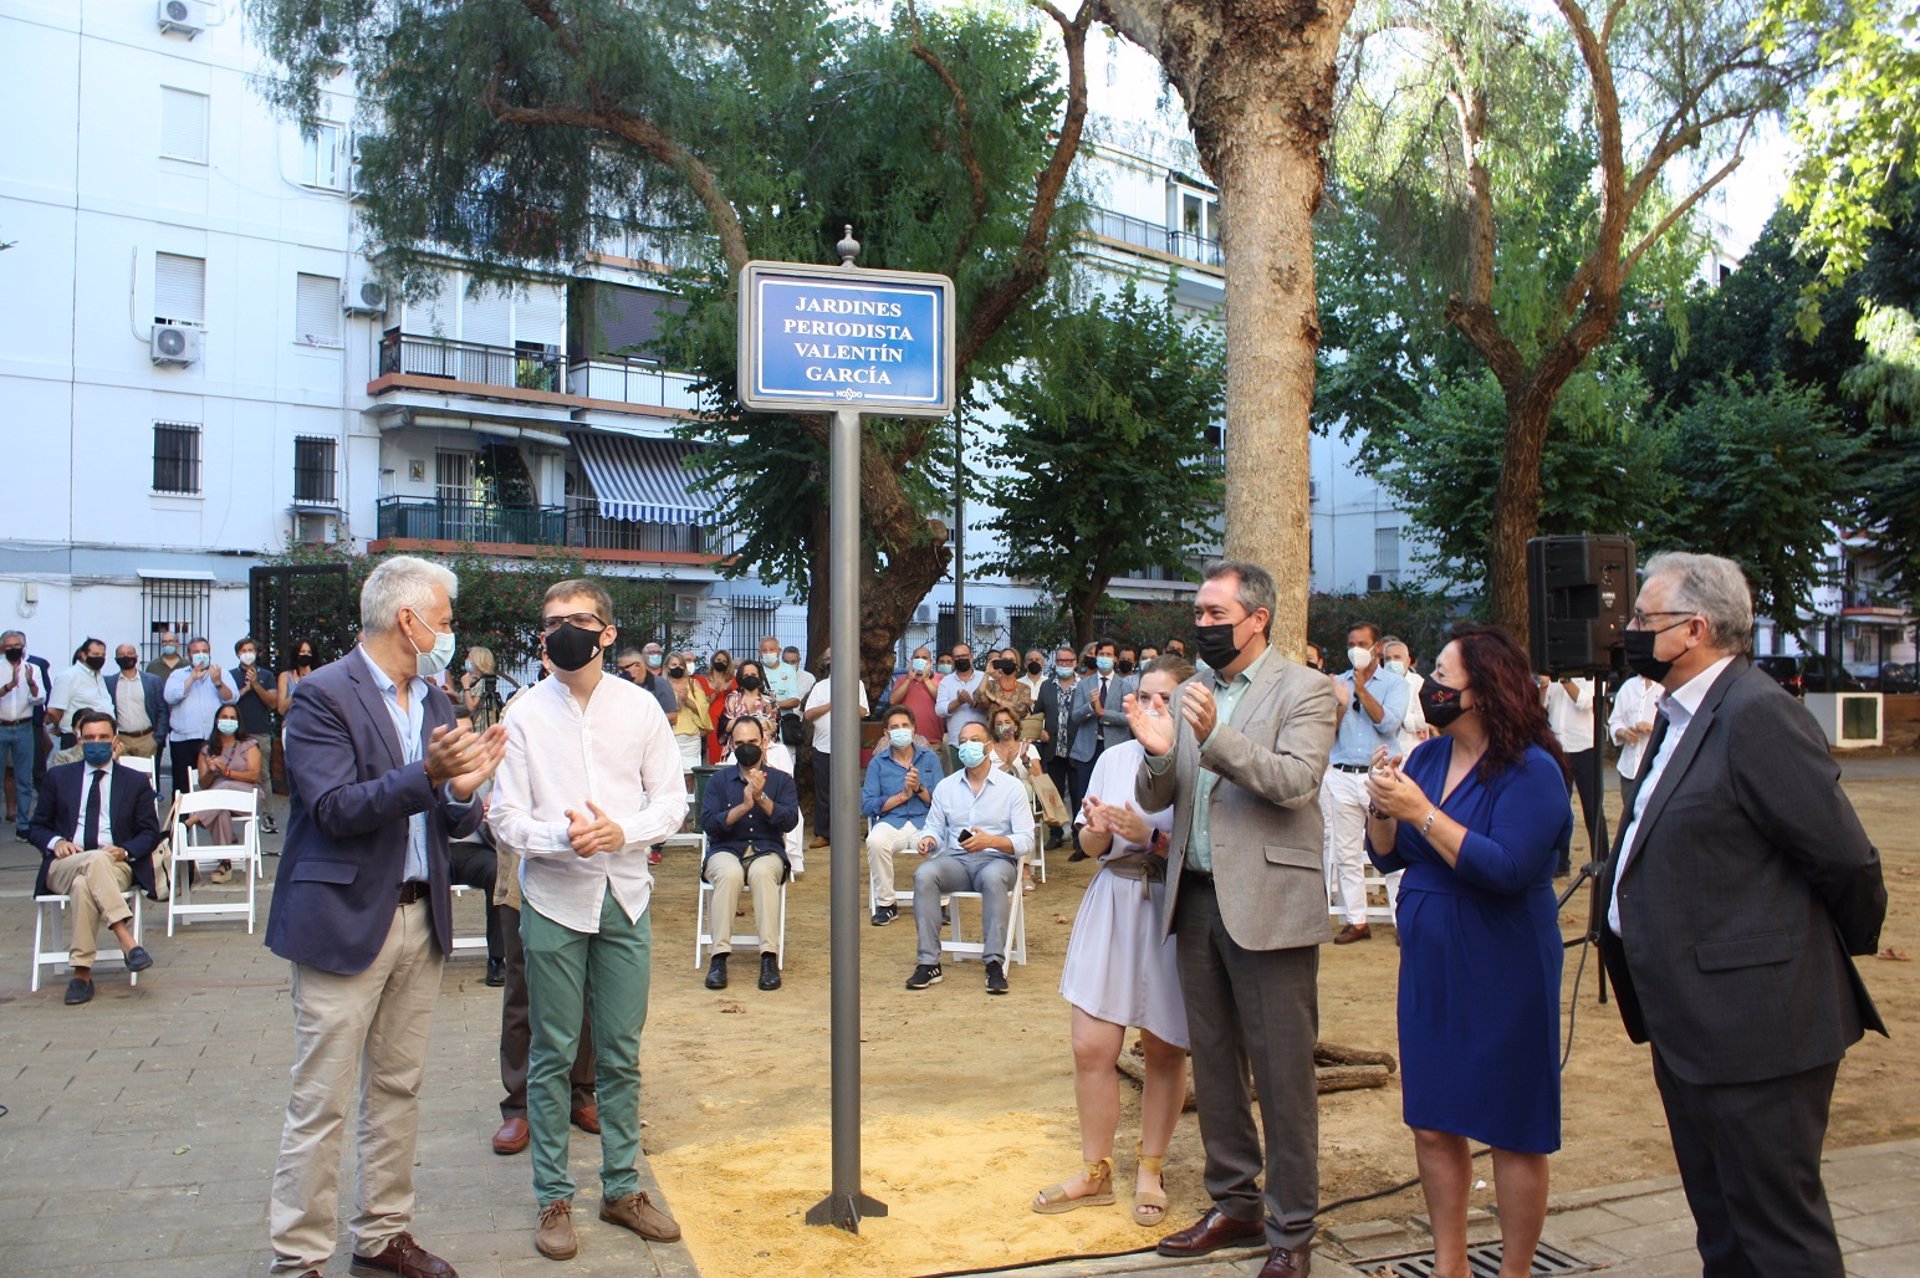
(1120, 971)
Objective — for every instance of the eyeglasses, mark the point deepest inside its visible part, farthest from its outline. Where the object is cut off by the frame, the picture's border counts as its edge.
(584, 620)
(1640, 619)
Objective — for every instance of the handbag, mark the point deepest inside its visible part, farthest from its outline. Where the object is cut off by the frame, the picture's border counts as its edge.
(793, 730)
(1053, 808)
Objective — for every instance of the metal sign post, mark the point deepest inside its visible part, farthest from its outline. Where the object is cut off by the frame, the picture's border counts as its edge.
(853, 341)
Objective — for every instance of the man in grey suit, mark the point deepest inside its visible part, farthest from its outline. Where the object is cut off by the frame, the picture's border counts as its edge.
(1097, 716)
(1241, 762)
(1735, 893)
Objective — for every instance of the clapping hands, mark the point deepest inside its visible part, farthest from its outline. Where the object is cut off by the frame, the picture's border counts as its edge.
(591, 837)
(1117, 820)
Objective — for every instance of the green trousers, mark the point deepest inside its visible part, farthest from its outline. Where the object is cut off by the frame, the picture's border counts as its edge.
(605, 971)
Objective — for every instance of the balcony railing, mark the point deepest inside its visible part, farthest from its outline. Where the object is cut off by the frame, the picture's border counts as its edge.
(578, 524)
(472, 362)
(632, 381)
(1149, 235)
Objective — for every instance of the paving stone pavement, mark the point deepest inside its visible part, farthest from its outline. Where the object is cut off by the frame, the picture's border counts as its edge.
(142, 1127)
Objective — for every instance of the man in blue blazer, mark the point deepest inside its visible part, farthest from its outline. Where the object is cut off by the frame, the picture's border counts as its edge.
(151, 741)
(1096, 718)
(96, 830)
(382, 779)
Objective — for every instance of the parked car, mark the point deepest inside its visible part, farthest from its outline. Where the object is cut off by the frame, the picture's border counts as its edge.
(1810, 672)
(1898, 676)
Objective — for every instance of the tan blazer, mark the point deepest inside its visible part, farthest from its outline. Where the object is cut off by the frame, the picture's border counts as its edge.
(1263, 816)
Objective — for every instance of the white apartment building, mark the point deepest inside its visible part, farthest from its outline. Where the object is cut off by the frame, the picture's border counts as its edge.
(199, 366)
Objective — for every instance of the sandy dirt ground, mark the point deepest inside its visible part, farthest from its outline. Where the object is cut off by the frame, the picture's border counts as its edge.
(968, 1100)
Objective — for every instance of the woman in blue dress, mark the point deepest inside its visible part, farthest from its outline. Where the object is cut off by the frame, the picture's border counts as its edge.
(1478, 817)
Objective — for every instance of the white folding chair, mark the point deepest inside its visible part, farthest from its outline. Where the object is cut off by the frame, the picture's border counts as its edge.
(244, 805)
(465, 944)
(703, 927)
(955, 943)
(47, 931)
(1374, 881)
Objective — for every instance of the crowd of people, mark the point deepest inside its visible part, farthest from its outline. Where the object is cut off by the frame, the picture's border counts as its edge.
(1232, 799)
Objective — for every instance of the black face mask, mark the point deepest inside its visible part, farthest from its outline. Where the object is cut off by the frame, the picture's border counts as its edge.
(1005, 667)
(1440, 703)
(1123, 667)
(96, 663)
(304, 660)
(826, 669)
(746, 754)
(1216, 645)
(15, 655)
(749, 683)
(1639, 650)
(126, 663)
(569, 648)
(677, 672)
(1033, 667)
(963, 665)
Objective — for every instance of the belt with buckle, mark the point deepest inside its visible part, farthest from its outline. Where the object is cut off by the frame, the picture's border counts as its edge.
(14, 723)
(411, 891)
(1349, 767)
(143, 732)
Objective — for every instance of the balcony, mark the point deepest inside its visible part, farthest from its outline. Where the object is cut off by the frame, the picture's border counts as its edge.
(1140, 233)
(577, 525)
(643, 383)
(471, 363)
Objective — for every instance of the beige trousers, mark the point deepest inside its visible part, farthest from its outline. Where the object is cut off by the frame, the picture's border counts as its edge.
(141, 747)
(381, 1015)
(92, 883)
(884, 842)
(724, 871)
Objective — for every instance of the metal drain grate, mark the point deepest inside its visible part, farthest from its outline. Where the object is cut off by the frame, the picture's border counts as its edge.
(1483, 1261)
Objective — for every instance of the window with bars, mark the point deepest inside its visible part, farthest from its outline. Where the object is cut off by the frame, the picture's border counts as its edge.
(183, 125)
(169, 605)
(949, 632)
(752, 621)
(316, 312)
(179, 289)
(1386, 552)
(176, 458)
(313, 470)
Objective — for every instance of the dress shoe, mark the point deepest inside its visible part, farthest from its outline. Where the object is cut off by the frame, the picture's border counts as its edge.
(405, 1257)
(554, 1236)
(819, 842)
(637, 1212)
(1210, 1233)
(138, 960)
(512, 1136)
(587, 1117)
(769, 971)
(496, 972)
(717, 972)
(79, 990)
(1287, 1264)
(1354, 932)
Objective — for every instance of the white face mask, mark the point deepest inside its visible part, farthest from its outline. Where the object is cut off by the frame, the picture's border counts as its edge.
(1359, 658)
(248, 658)
(201, 660)
(1397, 666)
(228, 726)
(430, 664)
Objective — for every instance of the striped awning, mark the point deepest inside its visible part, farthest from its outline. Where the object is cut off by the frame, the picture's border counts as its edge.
(645, 480)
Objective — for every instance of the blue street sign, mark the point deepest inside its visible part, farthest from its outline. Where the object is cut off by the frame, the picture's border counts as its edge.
(821, 338)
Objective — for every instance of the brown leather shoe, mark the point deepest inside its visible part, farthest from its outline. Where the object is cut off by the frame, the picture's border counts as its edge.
(405, 1257)
(1287, 1264)
(554, 1238)
(587, 1117)
(637, 1212)
(512, 1137)
(1211, 1232)
(1354, 932)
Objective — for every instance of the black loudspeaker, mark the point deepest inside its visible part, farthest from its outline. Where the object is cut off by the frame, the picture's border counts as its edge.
(1580, 593)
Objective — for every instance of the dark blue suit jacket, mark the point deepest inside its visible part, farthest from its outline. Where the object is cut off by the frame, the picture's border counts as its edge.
(346, 847)
(135, 825)
(154, 688)
(757, 831)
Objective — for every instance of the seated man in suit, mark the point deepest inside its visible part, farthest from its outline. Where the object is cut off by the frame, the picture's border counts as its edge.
(979, 828)
(96, 830)
(747, 812)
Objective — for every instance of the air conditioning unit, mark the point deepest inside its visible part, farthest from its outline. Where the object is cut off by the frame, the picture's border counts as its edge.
(363, 294)
(185, 17)
(923, 615)
(356, 188)
(1376, 582)
(988, 616)
(314, 528)
(179, 344)
(686, 607)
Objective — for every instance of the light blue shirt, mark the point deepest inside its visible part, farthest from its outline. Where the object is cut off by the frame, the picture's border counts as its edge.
(406, 723)
(885, 776)
(999, 809)
(193, 709)
(1226, 699)
(1359, 736)
(957, 717)
(783, 680)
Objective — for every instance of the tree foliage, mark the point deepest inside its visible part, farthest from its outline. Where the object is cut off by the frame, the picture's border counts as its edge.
(1107, 466)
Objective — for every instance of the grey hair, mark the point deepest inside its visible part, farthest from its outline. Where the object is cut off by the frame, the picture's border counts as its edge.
(403, 581)
(1714, 587)
(1256, 589)
(5, 635)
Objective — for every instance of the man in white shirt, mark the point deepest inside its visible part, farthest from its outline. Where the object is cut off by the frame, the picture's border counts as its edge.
(953, 698)
(1570, 715)
(1632, 721)
(1035, 674)
(23, 690)
(819, 713)
(591, 779)
(81, 687)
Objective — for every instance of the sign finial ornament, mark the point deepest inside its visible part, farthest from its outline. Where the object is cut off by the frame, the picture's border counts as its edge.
(848, 247)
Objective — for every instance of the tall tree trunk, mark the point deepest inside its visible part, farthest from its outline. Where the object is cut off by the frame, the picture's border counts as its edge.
(1516, 507)
(1257, 77)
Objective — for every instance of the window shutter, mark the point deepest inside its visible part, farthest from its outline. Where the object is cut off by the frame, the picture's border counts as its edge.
(183, 125)
(485, 316)
(317, 310)
(540, 316)
(179, 289)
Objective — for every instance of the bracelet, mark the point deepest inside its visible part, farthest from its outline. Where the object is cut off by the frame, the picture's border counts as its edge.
(1376, 813)
(1433, 814)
